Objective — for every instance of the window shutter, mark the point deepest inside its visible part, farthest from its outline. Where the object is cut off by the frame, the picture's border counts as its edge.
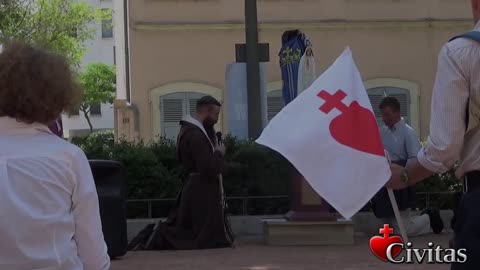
(107, 26)
(173, 107)
(172, 110)
(375, 100)
(402, 95)
(404, 106)
(192, 106)
(74, 112)
(274, 103)
(192, 98)
(96, 109)
(274, 106)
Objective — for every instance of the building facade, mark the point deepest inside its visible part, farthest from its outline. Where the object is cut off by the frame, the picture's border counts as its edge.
(173, 52)
(99, 49)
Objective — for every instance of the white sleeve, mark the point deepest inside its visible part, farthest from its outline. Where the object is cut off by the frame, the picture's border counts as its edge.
(448, 113)
(92, 249)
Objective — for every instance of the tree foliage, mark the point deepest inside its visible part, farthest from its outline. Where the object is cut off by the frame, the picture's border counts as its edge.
(98, 81)
(62, 26)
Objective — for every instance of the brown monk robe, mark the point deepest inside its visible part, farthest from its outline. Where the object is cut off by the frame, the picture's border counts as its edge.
(198, 220)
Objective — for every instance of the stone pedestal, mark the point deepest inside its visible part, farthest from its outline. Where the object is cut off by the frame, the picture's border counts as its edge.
(309, 222)
(125, 121)
(286, 233)
(306, 204)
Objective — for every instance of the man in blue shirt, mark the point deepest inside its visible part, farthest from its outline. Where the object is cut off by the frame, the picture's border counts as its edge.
(402, 144)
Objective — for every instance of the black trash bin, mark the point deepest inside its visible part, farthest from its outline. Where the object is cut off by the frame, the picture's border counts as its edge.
(110, 182)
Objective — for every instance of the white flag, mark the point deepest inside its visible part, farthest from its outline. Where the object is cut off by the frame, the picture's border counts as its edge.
(330, 134)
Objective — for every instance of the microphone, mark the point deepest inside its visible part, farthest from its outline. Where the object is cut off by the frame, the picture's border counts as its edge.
(219, 137)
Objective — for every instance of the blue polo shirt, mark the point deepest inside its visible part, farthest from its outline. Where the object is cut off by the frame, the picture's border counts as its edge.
(400, 141)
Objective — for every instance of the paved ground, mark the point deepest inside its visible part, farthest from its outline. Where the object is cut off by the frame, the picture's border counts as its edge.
(253, 255)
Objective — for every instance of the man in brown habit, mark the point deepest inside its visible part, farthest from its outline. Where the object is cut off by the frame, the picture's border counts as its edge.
(198, 220)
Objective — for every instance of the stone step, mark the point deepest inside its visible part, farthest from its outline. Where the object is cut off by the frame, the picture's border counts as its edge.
(284, 233)
(364, 222)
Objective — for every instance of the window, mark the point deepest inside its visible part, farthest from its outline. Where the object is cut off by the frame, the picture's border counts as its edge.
(107, 26)
(96, 109)
(74, 112)
(188, 93)
(173, 107)
(275, 103)
(192, 106)
(402, 95)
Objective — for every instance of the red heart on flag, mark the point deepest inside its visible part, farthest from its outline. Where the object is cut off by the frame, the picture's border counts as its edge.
(379, 246)
(357, 128)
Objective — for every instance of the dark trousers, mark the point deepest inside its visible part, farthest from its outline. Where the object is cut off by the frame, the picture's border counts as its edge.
(467, 228)
(382, 207)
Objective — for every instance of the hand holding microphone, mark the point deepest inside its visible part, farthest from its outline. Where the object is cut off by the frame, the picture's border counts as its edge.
(219, 145)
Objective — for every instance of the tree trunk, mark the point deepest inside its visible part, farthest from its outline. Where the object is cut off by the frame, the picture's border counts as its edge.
(85, 113)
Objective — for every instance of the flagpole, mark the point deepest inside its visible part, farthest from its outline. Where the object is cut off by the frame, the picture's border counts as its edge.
(398, 217)
(396, 211)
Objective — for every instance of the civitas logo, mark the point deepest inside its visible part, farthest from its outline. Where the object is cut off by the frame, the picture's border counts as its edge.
(388, 248)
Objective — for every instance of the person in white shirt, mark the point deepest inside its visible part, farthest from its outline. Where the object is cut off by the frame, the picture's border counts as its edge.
(49, 210)
(454, 137)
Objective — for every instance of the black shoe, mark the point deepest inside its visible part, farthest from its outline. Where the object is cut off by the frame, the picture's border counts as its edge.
(436, 222)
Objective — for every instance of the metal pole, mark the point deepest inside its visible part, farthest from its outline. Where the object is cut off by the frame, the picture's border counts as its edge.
(245, 206)
(253, 70)
(127, 48)
(149, 209)
(427, 205)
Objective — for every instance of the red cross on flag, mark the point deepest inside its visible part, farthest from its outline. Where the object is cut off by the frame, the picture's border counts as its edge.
(330, 134)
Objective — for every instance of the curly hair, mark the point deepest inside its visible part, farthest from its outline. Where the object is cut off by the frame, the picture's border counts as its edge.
(35, 85)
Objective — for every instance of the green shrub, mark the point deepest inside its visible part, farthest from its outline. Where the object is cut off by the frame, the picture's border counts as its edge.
(97, 145)
(153, 172)
(446, 182)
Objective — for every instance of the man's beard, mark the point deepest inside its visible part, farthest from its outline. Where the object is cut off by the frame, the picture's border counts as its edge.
(210, 129)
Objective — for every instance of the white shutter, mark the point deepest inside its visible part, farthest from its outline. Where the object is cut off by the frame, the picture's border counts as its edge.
(173, 107)
(275, 103)
(192, 106)
(376, 99)
(192, 98)
(376, 95)
(402, 95)
(172, 110)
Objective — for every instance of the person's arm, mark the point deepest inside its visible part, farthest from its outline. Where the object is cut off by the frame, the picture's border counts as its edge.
(208, 163)
(92, 249)
(412, 144)
(447, 122)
